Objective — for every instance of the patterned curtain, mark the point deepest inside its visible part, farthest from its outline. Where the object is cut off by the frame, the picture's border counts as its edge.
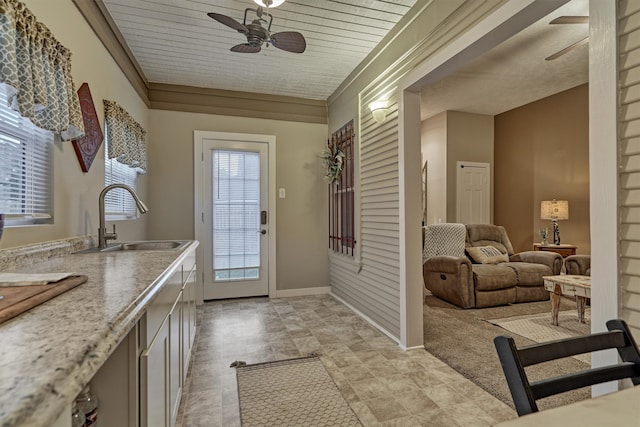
(125, 136)
(35, 71)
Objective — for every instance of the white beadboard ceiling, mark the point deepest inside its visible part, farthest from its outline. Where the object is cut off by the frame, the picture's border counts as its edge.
(175, 42)
(515, 72)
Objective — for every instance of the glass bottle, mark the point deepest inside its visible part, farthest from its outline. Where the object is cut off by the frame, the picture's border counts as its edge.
(88, 405)
(77, 417)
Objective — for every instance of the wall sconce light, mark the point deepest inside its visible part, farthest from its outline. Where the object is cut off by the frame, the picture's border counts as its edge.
(379, 110)
(554, 210)
(269, 3)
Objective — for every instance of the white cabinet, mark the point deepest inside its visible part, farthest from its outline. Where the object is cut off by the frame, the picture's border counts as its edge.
(154, 379)
(175, 356)
(188, 318)
(164, 363)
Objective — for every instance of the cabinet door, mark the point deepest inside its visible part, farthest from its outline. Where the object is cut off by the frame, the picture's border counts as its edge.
(189, 319)
(154, 380)
(175, 356)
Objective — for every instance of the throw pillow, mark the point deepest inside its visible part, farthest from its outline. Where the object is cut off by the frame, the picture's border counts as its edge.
(487, 255)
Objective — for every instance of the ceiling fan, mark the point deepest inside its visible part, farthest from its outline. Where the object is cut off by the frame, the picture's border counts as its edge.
(257, 34)
(569, 20)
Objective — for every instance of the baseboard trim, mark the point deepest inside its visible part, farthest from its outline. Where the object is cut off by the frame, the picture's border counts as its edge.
(284, 293)
(415, 347)
(368, 319)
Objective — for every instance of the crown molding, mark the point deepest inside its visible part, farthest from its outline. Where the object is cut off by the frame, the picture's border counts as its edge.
(232, 103)
(98, 18)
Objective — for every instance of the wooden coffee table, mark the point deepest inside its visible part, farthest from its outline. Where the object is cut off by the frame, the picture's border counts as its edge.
(568, 285)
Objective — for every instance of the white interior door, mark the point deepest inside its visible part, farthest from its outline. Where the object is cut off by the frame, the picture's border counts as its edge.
(473, 193)
(235, 218)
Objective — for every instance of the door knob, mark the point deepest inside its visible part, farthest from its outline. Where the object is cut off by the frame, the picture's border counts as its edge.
(262, 232)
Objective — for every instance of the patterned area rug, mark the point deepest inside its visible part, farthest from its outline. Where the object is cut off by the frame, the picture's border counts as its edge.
(296, 392)
(538, 327)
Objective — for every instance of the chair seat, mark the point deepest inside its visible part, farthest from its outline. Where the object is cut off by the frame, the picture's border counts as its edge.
(529, 274)
(492, 277)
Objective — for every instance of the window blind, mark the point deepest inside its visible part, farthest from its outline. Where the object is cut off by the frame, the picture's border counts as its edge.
(25, 168)
(118, 203)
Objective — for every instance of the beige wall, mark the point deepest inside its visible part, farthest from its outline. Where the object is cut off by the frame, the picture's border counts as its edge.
(434, 152)
(448, 138)
(542, 153)
(76, 193)
(301, 217)
(469, 139)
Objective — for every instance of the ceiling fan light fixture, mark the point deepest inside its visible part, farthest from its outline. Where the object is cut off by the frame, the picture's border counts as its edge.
(269, 3)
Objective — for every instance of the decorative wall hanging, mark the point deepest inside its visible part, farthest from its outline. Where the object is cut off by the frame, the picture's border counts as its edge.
(36, 69)
(332, 158)
(87, 146)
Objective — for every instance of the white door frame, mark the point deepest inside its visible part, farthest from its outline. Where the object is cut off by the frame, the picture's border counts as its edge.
(459, 184)
(509, 19)
(198, 197)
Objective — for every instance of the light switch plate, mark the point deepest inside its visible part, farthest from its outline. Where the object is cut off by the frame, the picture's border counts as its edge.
(282, 193)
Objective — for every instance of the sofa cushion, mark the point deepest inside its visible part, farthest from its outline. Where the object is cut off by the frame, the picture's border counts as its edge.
(487, 255)
(529, 274)
(489, 277)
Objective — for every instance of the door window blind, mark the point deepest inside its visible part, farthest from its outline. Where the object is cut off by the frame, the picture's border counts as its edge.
(118, 203)
(25, 169)
(236, 215)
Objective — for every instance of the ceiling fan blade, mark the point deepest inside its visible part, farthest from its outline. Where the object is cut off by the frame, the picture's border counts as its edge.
(570, 20)
(245, 48)
(228, 21)
(567, 49)
(291, 41)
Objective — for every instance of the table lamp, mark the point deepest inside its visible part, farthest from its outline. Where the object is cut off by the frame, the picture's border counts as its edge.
(554, 210)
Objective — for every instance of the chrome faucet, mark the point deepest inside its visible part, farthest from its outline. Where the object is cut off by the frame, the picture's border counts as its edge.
(103, 235)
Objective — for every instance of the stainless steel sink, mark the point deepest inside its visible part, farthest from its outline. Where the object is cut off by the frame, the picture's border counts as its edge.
(146, 245)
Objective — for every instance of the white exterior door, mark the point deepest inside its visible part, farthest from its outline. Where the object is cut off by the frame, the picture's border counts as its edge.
(473, 193)
(235, 229)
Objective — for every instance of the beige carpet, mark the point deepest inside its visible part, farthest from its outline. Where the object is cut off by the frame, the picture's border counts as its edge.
(538, 327)
(296, 392)
(463, 339)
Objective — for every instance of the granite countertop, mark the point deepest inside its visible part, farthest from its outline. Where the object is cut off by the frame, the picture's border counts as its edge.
(49, 353)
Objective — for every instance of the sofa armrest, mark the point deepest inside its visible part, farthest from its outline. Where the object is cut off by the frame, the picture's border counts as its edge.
(578, 264)
(450, 278)
(550, 259)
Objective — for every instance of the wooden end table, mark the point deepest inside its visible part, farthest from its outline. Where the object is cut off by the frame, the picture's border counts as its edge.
(569, 285)
(564, 250)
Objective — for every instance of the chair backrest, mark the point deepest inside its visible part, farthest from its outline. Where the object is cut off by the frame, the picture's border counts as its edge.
(489, 235)
(444, 239)
(525, 393)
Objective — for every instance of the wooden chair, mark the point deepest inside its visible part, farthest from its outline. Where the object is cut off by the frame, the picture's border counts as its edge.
(525, 394)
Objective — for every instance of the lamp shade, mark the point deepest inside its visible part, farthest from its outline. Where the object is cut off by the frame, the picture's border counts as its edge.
(269, 3)
(554, 209)
(379, 110)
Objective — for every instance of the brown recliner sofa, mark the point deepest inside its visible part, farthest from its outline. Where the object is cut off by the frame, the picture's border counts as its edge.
(467, 283)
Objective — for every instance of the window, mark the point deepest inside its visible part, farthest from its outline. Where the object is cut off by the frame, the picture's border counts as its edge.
(125, 156)
(25, 169)
(342, 195)
(118, 203)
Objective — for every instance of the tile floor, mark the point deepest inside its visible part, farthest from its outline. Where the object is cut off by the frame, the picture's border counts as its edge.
(384, 385)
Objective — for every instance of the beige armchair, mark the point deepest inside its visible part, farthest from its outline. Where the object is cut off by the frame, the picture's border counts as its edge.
(578, 264)
(489, 273)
